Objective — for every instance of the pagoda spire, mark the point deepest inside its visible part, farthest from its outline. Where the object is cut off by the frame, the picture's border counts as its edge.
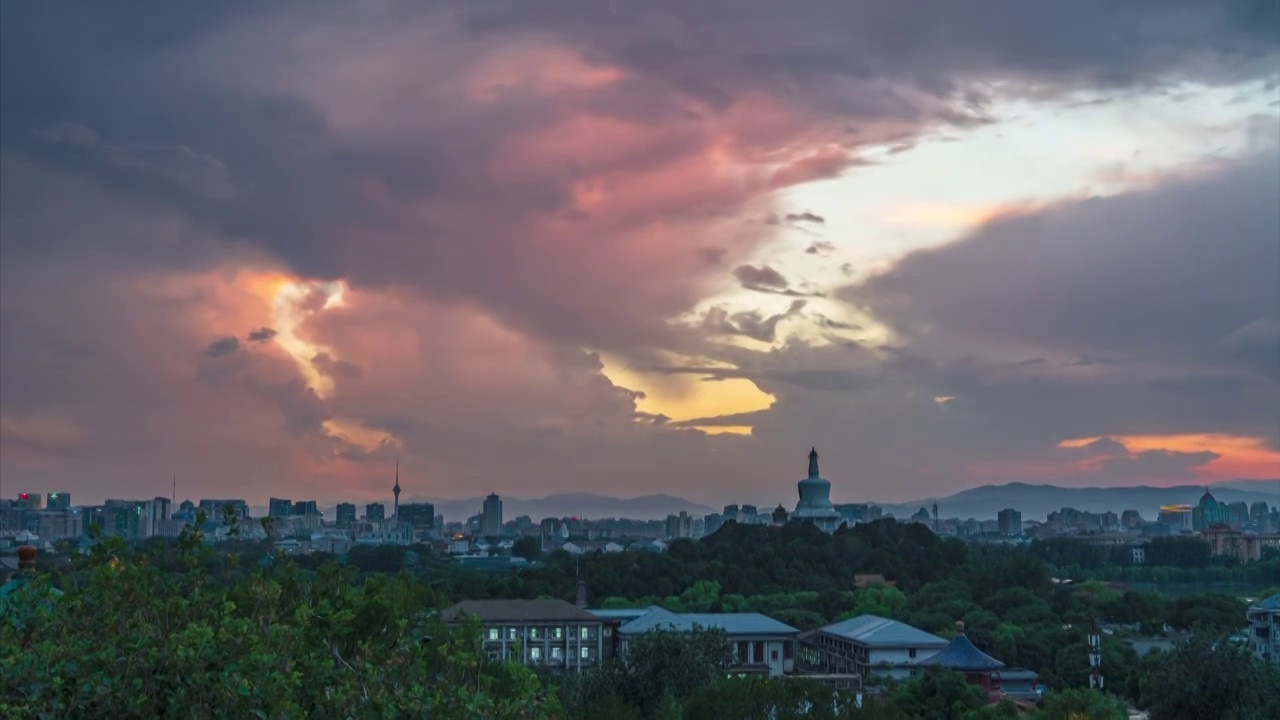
(813, 462)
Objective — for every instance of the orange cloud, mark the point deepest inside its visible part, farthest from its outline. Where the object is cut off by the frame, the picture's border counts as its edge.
(1239, 456)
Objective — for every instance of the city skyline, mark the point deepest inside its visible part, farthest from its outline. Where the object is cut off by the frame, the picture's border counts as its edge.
(636, 248)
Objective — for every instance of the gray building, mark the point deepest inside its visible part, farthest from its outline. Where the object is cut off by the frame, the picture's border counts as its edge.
(346, 515)
(868, 644)
(539, 633)
(417, 515)
(279, 507)
(761, 645)
(375, 512)
(1264, 629)
(1009, 522)
(491, 516)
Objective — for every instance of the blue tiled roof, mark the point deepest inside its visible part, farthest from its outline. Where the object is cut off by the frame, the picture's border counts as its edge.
(1271, 603)
(876, 631)
(623, 614)
(741, 623)
(657, 618)
(960, 654)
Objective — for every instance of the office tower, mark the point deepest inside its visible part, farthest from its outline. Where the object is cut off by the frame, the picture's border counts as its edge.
(491, 516)
(346, 515)
(375, 512)
(1009, 521)
(279, 507)
(59, 500)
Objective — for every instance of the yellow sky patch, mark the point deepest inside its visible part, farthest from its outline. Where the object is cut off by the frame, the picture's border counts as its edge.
(689, 397)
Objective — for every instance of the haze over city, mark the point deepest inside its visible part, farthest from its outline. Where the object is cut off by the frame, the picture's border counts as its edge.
(637, 248)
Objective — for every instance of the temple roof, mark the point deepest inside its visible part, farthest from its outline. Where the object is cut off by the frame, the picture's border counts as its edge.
(960, 654)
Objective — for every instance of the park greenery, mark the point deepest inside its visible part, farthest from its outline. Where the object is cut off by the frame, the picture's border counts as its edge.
(180, 628)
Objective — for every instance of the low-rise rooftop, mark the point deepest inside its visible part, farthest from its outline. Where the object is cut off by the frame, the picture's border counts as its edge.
(877, 631)
(518, 611)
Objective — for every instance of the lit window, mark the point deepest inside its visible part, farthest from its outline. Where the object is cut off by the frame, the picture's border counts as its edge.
(557, 653)
(585, 632)
(559, 633)
(493, 633)
(586, 653)
(533, 633)
(511, 633)
(535, 654)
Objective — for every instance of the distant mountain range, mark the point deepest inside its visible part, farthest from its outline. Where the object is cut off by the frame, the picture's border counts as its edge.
(1035, 502)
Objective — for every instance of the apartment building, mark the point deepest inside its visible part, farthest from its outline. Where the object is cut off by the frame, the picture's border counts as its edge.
(539, 633)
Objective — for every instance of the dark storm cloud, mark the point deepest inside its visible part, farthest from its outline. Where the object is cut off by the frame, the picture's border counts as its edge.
(806, 217)
(763, 276)
(752, 324)
(1183, 272)
(222, 346)
(261, 335)
(931, 44)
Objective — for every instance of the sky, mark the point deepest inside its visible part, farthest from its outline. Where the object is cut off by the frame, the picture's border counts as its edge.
(635, 247)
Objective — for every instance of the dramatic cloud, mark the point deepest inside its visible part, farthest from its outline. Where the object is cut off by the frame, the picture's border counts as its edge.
(278, 245)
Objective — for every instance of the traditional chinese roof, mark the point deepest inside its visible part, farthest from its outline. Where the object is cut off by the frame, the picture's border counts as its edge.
(960, 654)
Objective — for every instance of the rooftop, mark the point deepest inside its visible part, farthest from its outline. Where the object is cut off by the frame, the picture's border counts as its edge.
(1271, 603)
(882, 632)
(517, 611)
(960, 654)
(656, 618)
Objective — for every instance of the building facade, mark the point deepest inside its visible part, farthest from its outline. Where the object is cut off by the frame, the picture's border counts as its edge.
(1009, 522)
(279, 507)
(680, 526)
(375, 512)
(345, 515)
(761, 645)
(539, 633)
(866, 645)
(491, 516)
(1264, 629)
(420, 516)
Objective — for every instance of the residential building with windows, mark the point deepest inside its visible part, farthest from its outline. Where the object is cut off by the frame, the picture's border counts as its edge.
(680, 526)
(375, 512)
(1009, 522)
(491, 516)
(761, 644)
(539, 633)
(868, 644)
(279, 507)
(346, 515)
(421, 516)
(1264, 629)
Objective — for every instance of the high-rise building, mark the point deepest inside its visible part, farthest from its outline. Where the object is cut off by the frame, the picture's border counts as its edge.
(161, 509)
(491, 516)
(279, 507)
(1131, 519)
(419, 516)
(1238, 513)
(59, 500)
(304, 508)
(375, 512)
(1009, 521)
(34, 501)
(679, 526)
(213, 508)
(712, 523)
(346, 515)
